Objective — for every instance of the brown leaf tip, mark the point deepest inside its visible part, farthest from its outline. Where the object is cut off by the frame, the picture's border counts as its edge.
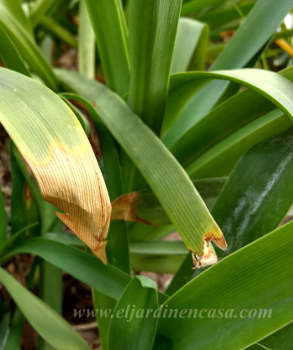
(207, 258)
(219, 240)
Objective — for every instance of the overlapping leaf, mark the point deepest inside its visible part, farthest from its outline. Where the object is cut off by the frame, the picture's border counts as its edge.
(63, 163)
(165, 176)
(257, 278)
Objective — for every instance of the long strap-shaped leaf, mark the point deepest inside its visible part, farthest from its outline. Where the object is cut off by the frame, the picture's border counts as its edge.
(46, 321)
(152, 33)
(109, 24)
(255, 283)
(81, 265)
(266, 16)
(273, 86)
(222, 121)
(52, 141)
(164, 174)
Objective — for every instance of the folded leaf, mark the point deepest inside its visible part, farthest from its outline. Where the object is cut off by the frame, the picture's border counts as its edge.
(53, 143)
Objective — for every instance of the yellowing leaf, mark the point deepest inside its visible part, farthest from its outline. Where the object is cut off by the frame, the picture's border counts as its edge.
(52, 141)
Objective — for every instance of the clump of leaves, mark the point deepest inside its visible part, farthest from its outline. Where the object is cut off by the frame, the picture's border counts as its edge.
(181, 149)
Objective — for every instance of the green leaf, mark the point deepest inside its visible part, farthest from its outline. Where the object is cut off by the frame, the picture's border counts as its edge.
(44, 320)
(83, 266)
(86, 43)
(166, 177)
(266, 17)
(272, 86)
(15, 7)
(82, 119)
(136, 332)
(256, 279)
(220, 159)
(259, 192)
(27, 47)
(10, 54)
(3, 218)
(140, 232)
(190, 46)
(222, 121)
(152, 33)
(158, 256)
(109, 24)
(264, 219)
